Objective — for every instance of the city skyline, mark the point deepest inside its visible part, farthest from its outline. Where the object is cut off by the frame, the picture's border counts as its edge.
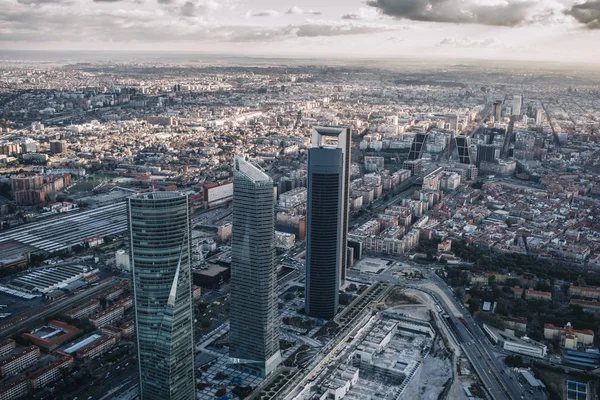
(182, 225)
(558, 30)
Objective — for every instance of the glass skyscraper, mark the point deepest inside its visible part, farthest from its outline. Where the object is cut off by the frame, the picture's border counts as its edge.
(160, 258)
(254, 324)
(327, 219)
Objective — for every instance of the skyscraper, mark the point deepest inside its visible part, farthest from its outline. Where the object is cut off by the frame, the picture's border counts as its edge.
(159, 224)
(497, 110)
(254, 324)
(516, 106)
(463, 146)
(327, 219)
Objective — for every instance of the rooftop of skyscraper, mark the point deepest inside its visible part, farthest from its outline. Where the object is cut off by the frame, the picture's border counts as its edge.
(250, 170)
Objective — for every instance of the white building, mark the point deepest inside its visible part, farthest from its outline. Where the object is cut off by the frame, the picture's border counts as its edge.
(122, 260)
(525, 346)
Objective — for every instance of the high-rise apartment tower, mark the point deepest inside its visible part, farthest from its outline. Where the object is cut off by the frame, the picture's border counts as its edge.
(159, 224)
(327, 219)
(254, 325)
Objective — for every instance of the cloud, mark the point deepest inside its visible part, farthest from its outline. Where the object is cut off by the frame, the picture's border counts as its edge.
(508, 13)
(587, 13)
(266, 13)
(310, 29)
(120, 25)
(468, 42)
(361, 14)
(42, 2)
(192, 8)
(298, 10)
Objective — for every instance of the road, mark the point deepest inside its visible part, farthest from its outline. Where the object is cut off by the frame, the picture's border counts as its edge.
(477, 346)
(474, 343)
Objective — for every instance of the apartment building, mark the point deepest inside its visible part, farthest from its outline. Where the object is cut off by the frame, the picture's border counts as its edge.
(19, 361)
(85, 310)
(585, 292)
(108, 316)
(96, 348)
(569, 337)
(15, 389)
(6, 346)
(52, 372)
(537, 295)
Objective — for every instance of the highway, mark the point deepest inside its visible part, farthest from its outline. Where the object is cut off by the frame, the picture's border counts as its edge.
(479, 346)
(479, 350)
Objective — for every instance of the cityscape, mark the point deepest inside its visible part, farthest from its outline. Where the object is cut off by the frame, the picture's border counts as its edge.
(246, 224)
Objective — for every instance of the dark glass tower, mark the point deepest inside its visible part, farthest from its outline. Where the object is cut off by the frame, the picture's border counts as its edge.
(327, 219)
(463, 145)
(254, 324)
(160, 258)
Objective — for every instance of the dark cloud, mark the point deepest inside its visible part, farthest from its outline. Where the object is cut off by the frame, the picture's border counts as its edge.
(351, 15)
(188, 9)
(456, 11)
(587, 13)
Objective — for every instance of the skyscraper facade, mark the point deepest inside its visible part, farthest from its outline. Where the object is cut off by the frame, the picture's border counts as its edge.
(516, 105)
(254, 324)
(159, 224)
(463, 146)
(327, 219)
(497, 110)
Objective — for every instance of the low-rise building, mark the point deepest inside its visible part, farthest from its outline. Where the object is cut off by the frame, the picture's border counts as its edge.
(569, 337)
(84, 310)
(128, 328)
(6, 346)
(537, 295)
(111, 330)
(16, 389)
(585, 292)
(284, 240)
(52, 372)
(108, 316)
(587, 305)
(96, 348)
(51, 336)
(19, 361)
(525, 346)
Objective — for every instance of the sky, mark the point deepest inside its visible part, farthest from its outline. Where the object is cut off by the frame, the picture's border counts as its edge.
(536, 30)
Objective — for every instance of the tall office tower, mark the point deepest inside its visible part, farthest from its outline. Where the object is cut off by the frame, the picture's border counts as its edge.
(327, 219)
(58, 146)
(463, 146)
(516, 105)
(487, 153)
(254, 325)
(452, 121)
(497, 110)
(417, 146)
(159, 225)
